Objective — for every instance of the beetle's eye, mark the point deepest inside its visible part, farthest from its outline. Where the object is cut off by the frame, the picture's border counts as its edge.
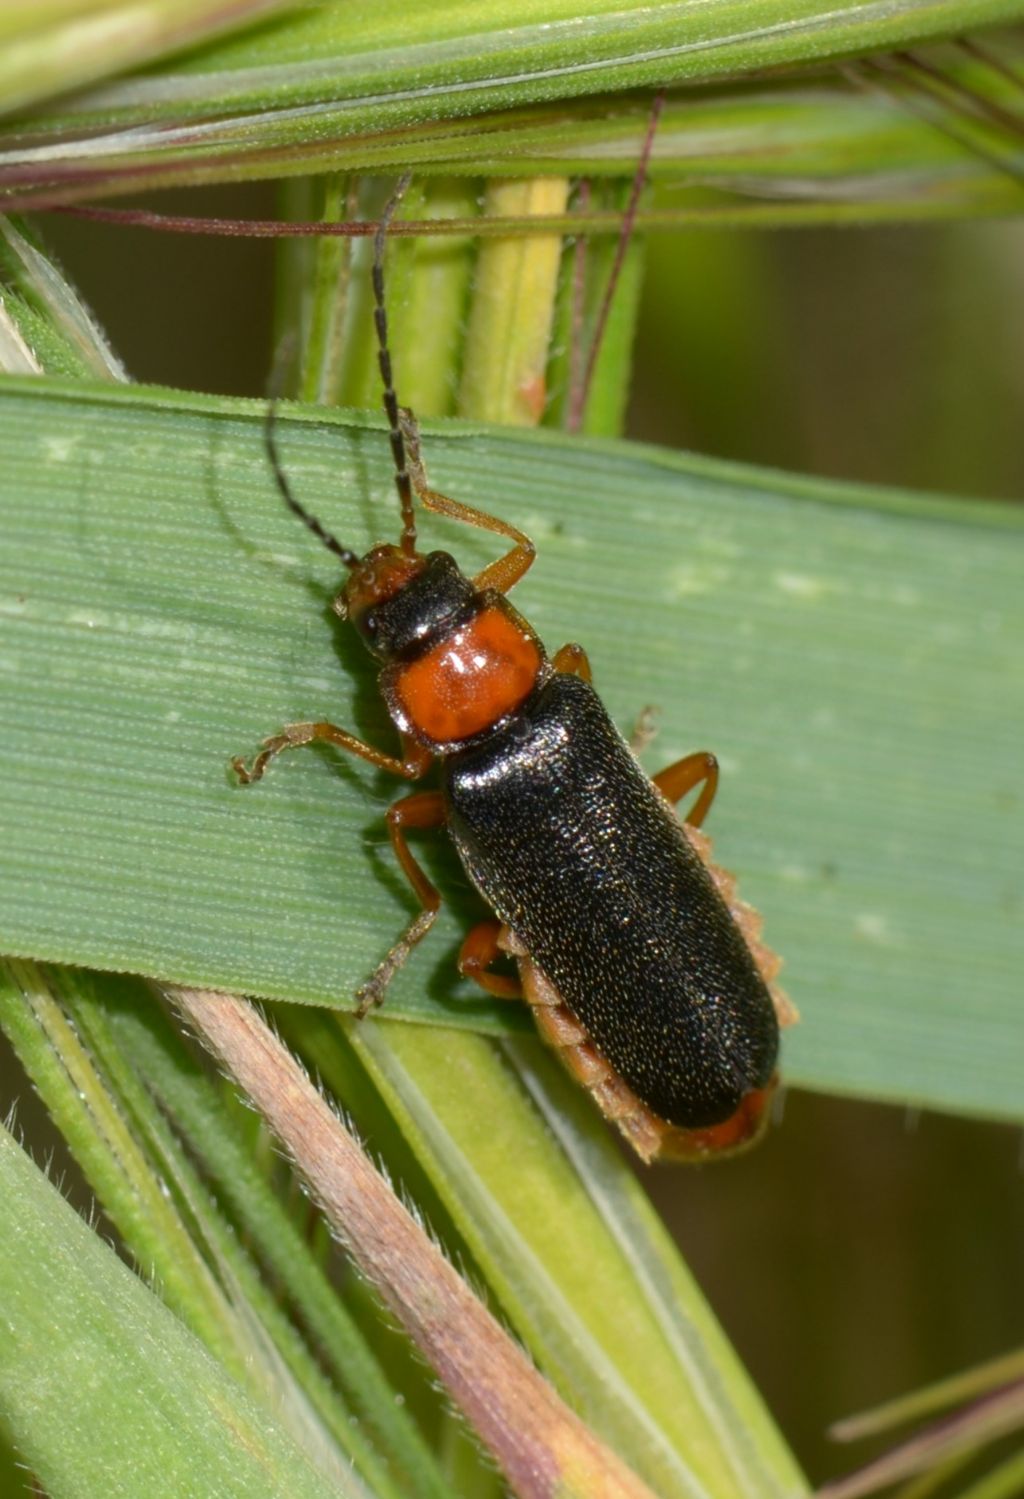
(369, 624)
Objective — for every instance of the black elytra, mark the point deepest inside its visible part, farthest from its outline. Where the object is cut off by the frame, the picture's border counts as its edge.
(580, 856)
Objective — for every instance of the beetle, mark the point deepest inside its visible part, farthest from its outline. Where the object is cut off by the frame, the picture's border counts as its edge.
(642, 967)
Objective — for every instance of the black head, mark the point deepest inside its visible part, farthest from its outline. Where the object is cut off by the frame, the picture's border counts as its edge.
(399, 603)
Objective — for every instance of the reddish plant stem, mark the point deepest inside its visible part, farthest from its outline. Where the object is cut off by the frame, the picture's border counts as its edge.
(541, 1446)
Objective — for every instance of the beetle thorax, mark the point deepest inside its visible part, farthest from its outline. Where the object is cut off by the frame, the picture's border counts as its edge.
(469, 679)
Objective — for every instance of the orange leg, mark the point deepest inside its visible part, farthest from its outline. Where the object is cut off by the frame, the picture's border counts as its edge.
(676, 780)
(478, 952)
(423, 809)
(501, 575)
(414, 763)
(572, 660)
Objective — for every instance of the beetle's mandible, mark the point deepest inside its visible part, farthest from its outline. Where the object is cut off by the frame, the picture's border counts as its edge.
(642, 967)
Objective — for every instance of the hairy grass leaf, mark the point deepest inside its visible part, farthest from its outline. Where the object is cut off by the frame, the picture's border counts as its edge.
(519, 90)
(51, 48)
(568, 1242)
(102, 1388)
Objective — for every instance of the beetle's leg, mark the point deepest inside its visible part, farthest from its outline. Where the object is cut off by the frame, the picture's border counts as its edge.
(500, 575)
(423, 809)
(414, 763)
(478, 952)
(676, 780)
(573, 661)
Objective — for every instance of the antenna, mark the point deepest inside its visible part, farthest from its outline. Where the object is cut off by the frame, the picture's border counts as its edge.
(380, 318)
(282, 363)
(283, 358)
(348, 557)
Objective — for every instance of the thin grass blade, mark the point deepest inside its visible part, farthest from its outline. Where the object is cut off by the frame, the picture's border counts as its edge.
(156, 1414)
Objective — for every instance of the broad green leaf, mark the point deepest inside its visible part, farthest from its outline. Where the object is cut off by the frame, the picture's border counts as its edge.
(103, 1390)
(851, 655)
(678, 1408)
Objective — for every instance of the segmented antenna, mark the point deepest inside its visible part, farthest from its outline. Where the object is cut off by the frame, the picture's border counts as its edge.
(281, 361)
(380, 318)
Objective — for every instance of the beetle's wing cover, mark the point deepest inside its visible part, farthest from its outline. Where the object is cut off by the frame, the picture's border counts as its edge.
(577, 852)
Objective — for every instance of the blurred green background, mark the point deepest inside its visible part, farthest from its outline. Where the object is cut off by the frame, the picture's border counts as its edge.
(863, 1250)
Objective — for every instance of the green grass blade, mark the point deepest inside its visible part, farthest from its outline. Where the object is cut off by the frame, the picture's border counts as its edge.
(508, 91)
(401, 61)
(49, 49)
(216, 1136)
(111, 1156)
(509, 330)
(58, 1023)
(46, 326)
(145, 1410)
(731, 1416)
(957, 1389)
(1003, 1482)
(549, 1240)
(280, 1368)
(850, 654)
